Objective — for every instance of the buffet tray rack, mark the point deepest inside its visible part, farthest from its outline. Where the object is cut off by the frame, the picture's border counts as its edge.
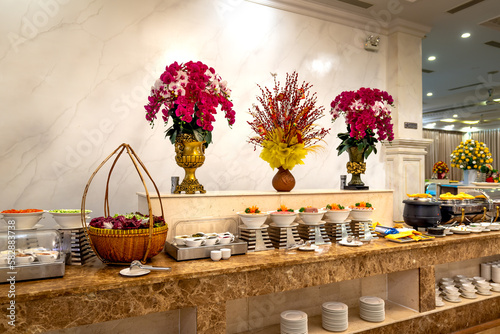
(182, 253)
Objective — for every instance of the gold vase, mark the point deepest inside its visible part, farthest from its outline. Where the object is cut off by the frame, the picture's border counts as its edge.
(190, 154)
(356, 166)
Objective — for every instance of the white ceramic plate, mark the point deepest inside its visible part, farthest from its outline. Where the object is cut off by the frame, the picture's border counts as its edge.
(351, 244)
(308, 248)
(135, 272)
(459, 231)
(244, 227)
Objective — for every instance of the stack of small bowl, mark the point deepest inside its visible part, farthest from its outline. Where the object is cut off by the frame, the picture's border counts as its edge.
(372, 309)
(334, 316)
(449, 290)
(439, 299)
(293, 322)
(483, 287)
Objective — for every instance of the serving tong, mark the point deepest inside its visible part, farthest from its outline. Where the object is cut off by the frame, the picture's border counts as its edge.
(138, 264)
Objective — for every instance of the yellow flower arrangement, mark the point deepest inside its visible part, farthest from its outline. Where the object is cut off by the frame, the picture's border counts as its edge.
(470, 154)
(285, 123)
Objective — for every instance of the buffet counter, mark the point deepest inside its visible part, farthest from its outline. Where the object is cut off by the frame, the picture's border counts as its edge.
(208, 293)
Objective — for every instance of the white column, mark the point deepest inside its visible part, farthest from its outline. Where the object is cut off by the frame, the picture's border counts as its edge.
(404, 157)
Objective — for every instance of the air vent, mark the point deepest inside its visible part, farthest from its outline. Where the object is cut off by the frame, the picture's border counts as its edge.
(467, 86)
(357, 3)
(427, 71)
(493, 23)
(493, 43)
(464, 6)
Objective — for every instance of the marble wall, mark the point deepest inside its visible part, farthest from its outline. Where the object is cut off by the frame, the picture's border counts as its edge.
(76, 74)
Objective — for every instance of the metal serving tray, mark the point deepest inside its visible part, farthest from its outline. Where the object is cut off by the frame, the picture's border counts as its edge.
(32, 271)
(182, 253)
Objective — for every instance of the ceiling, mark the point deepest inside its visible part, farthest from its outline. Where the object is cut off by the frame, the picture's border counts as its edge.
(465, 71)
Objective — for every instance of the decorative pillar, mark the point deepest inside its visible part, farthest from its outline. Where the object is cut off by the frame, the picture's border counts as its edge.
(404, 157)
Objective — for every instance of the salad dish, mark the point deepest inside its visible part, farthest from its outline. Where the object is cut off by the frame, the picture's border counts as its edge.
(283, 216)
(22, 219)
(68, 218)
(361, 211)
(336, 212)
(252, 217)
(310, 215)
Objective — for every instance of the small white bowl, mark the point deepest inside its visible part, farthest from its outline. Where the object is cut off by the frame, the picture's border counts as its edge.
(495, 286)
(69, 220)
(337, 215)
(253, 220)
(23, 221)
(181, 239)
(312, 218)
(210, 241)
(360, 214)
(283, 219)
(194, 242)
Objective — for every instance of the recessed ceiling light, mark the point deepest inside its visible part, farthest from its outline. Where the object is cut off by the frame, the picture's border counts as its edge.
(470, 122)
(465, 35)
(431, 58)
(430, 125)
(455, 116)
(429, 94)
(449, 127)
(448, 120)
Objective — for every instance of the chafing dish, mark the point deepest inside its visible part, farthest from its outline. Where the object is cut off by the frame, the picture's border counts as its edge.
(484, 207)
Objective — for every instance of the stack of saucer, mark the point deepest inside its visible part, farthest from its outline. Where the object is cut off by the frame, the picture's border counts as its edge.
(451, 293)
(372, 309)
(334, 316)
(439, 300)
(482, 287)
(467, 290)
(293, 322)
(495, 287)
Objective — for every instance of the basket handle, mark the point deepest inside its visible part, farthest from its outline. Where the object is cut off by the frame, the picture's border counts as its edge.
(135, 161)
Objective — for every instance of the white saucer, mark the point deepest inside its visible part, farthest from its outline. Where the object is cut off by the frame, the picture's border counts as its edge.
(37, 226)
(291, 225)
(439, 303)
(462, 295)
(459, 231)
(135, 272)
(489, 293)
(308, 248)
(254, 228)
(321, 222)
(350, 244)
(452, 300)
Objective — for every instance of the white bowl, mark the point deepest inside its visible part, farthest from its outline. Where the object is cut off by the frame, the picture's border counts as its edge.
(283, 219)
(69, 220)
(337, 215)
(312, 217)
(253, 220)
(23, 221)
(193, 242)
(357, 214)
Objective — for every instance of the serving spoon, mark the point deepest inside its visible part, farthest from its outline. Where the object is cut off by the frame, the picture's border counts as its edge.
(138, 264)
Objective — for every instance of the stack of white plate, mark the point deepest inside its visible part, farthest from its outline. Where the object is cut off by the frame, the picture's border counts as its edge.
(334, 316)
(495, 273)
(372, 309)
(293, 322)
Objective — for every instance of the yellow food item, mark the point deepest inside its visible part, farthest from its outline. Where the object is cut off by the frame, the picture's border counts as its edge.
(419, 195)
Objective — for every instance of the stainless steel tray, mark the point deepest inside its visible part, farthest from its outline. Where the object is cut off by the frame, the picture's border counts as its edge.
(32, 271)
(182, 253)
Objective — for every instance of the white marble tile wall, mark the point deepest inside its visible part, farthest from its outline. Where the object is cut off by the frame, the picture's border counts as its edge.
(76, 74)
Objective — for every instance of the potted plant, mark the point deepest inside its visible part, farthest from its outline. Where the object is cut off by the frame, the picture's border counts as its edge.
(369, 120)
(284, 124)
(189, 94)
(469, 156)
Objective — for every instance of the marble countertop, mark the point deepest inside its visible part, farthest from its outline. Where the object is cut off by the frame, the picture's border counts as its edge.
(96, 276)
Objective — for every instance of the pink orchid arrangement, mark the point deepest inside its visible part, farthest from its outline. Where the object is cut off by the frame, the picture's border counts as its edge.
(189, 94)
(367, 116)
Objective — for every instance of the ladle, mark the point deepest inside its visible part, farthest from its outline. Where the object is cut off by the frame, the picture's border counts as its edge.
(138, 264)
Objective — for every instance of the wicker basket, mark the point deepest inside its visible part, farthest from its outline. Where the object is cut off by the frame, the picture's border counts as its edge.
(124, 246)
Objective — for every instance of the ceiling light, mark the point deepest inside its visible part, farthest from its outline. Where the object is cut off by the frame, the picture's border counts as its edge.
(429, 94)
(430, 125)
(455, 116)
(496, 100)
(431, 58)
(448, 120)
(449, 127)
(465, 35)
(470, 122)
